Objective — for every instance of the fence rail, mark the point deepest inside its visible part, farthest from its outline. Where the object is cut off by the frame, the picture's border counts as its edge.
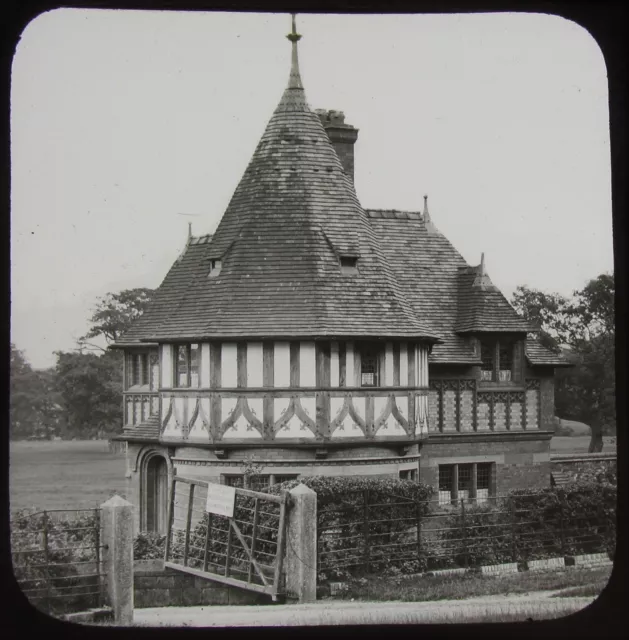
(371, 532)
(57, 559)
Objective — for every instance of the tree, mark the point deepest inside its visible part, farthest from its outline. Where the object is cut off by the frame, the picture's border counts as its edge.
(115, 312)
(90, 391)
(584, 326)
(32, 398)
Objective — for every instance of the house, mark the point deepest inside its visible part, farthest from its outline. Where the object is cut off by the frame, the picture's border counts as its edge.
(313, 336)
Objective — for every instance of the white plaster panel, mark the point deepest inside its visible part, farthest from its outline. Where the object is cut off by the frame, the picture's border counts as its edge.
(167, 366)
(336, 405)
(309, 405)
(379, 405)
(254, 364)
(280, 406)
(348, 429)
(403, 365)
(257, 407)
(281, 364)
(241, 429)
(349, 365)
(388, 364)
(229, 365)
(227, 406)
(294, 429)
(205, 365)
(307, 365)
(334, 364)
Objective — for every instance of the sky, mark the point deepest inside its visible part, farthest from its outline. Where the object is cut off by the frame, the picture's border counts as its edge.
(127, 125)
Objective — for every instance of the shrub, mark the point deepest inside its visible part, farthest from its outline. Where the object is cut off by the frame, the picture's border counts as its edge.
(149, 546)
(366, 524)
(533, 525)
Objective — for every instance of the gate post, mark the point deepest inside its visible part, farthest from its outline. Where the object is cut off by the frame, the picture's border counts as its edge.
(300, 562)
(117, 539)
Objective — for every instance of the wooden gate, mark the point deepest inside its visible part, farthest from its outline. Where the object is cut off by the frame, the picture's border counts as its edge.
(246, 550)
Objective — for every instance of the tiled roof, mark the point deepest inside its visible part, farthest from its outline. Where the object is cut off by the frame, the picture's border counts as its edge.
(294, 213)
(427, 266)
(150, 429)
(538, 355)
(483, 307)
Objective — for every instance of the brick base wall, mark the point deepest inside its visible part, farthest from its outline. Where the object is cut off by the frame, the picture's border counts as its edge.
(519, 463)
(156, 586)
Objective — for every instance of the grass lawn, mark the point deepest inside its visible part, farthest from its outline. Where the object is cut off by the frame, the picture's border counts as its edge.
(579, 444)
(470, 585)
(64, 475)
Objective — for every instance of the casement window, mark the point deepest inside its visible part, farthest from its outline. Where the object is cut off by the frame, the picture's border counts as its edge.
(139, 373)
(497, 359)
(257, 482)
(469, 482)
(187, 365)
(409, 474)
(370, 366)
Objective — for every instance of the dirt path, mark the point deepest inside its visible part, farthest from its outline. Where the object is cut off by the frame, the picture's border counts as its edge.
(537, 605)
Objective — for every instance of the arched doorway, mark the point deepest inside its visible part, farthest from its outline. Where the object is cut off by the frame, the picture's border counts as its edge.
(156, 495)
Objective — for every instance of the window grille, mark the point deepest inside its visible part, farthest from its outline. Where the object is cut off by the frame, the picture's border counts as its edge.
(187, 365)
(465, 481)
(139, 369)
(369, 369)
(446, 477)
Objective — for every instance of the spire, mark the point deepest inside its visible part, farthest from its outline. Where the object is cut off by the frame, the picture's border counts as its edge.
(430, 227)
(294, 80)
(189, 231)
(482, 279)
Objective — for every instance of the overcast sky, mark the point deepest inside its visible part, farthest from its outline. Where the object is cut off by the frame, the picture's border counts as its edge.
(122, 120)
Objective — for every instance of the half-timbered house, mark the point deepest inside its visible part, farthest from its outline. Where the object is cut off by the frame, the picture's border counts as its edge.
(310, 335)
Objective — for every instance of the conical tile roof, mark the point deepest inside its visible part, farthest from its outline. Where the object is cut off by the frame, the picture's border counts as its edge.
(294, 214)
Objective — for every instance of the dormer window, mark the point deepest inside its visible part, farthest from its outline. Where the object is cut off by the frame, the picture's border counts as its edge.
(349, 265)
(215, 268)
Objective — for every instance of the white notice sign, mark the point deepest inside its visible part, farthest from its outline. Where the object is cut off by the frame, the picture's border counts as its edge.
(220, 499)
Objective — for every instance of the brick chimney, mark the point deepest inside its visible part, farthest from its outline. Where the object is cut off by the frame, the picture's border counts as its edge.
(342, 136)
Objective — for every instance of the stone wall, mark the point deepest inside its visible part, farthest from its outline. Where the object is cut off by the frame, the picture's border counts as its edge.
(159, 586)
(583, 465)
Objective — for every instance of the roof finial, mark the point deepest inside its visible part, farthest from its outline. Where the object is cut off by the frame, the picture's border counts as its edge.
(482, 265)
(189, 231)
(294, 81)
(426, 214)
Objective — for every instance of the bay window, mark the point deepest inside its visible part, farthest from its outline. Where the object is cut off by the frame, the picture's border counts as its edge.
(139, 373)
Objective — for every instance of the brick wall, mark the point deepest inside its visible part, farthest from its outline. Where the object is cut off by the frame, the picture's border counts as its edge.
(157, 586)
(520, 462)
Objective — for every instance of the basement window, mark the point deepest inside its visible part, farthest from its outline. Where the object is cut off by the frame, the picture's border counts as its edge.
(215, 268)
(469, 482)
(349, 265)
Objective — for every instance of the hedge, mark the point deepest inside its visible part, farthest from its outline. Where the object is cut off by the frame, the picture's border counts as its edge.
(60, 583)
